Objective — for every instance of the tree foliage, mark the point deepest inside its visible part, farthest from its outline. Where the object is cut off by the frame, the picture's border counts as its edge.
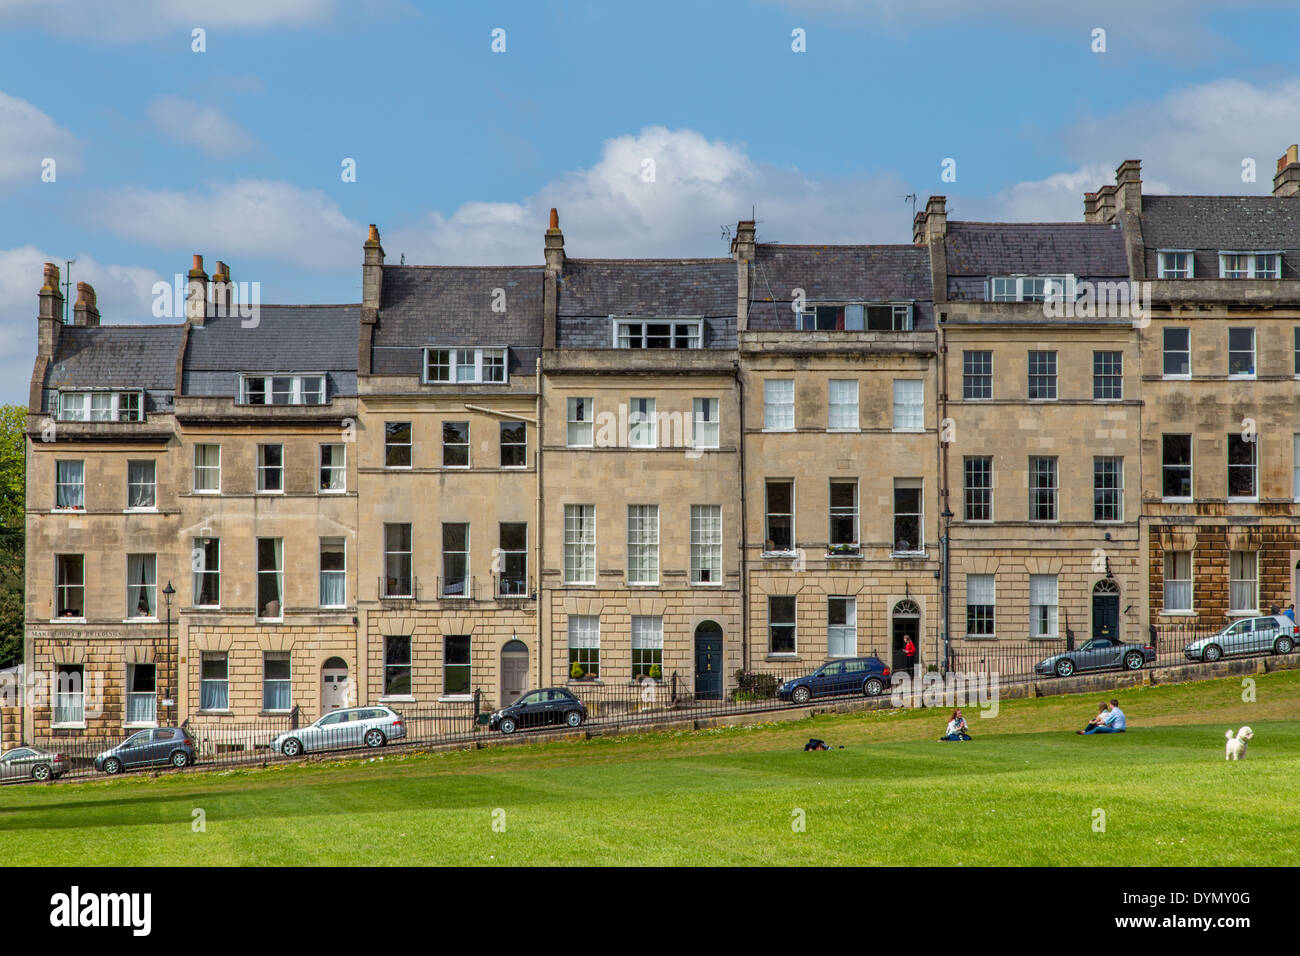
(13, 448)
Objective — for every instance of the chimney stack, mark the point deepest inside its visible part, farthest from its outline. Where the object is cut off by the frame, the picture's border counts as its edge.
(1089, 207)
(936, 218)
(1286, 181)
(50, 317)
(222, 289)
(196, 293)
(1106, 204)
(372, 275)
(85, 312)
(744, 248)
(553, 248)
(553, 252)
(1128, 186)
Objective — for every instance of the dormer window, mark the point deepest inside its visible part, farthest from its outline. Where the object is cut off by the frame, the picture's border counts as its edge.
(1176, 264)
(464, 366)
(858, 317)
(282, 389)
(101, 406)
(651, 334)
(1026, 288)
(1250, 265)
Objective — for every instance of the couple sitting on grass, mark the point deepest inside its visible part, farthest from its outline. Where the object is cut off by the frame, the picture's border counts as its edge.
(1109, 720)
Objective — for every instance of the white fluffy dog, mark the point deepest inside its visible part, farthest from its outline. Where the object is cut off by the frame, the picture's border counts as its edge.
(1237, 744)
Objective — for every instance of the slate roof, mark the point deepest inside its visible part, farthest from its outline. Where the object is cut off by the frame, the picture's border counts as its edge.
(600, 288)
(849, 273)
(453, 305)
(1036, 248)
(286, 338)
(1210, 224)
(126, 356)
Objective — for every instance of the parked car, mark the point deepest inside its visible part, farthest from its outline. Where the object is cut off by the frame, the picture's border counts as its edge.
(22, 763)
(1273, 633)
(852, 675)
(148, 748)
(540, 708)
(1099, 653)
(341, 730)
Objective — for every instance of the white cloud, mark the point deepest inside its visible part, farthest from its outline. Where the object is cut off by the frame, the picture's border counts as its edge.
(197, 125)
(610, 210)
(27, 138)
(245, 219)
(123, 294)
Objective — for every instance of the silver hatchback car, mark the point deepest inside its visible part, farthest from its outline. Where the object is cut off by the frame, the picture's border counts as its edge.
(342, 730)
(1272, 634)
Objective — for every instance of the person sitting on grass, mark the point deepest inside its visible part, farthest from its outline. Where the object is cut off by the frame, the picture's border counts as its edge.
(1099, 718)
(956, 728)
(1114, 722)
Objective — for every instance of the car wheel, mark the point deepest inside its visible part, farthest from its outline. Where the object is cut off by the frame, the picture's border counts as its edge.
(801, 695)
(507, 725)
(573, 718)
(112, 765)
(1211, 653)
(375, 737)
(180, 759)
(291, 747)
(1284, 645)
(1133, 661)
(1064, 667)
(41, 772)
(873, 686)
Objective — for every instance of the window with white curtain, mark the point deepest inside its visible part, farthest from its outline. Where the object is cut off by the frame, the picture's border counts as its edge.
(333, 572)
(142, 697)
(579, 544)
(1178, 581)
(214, 682)
(1042, 605)
(842, 394)
(277, 694)
(706, 433)
(841, 627)
(141, 585)
(333, 469)
(69, 695)
(647, 644)
(909, 404)
(270, 578)
(980, 605)
(706, 544)
(778, 404)
(141, 484)
(207, 468)
(205, 557)
(1243, 581)
(580, 424)
(642, 544)
(70, 485)
(642, 423)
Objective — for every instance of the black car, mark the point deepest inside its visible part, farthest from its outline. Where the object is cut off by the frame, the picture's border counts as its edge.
(540, 708)
(850, 675)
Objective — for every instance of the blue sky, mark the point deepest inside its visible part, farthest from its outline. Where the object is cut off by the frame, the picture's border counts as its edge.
(236, 152)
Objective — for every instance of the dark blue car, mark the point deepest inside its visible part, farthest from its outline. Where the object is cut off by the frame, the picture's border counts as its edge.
(850, 675)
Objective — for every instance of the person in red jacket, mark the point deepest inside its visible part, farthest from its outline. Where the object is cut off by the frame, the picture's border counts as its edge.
(910, 650)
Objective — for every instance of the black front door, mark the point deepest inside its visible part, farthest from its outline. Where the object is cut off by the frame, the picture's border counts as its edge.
(708, 661)
(905, 627)
(1105, 616)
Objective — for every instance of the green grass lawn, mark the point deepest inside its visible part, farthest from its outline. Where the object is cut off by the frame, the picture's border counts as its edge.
(1025, 791)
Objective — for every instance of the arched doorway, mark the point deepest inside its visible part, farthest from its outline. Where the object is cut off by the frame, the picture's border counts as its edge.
(1105, 609)
(708, 661)
(514, 671)
(335, 688)
(905, 623)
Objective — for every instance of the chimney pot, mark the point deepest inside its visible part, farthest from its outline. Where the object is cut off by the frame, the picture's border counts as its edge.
(555, 218)
(1286, 182)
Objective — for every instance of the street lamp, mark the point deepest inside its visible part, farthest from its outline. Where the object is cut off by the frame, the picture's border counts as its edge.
(947, 530)
(168, 591)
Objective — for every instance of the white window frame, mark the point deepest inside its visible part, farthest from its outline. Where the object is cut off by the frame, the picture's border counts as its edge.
(503, 444)
(1163, 269)
(286, 656)
(77, 698)
(409, 444)
(277, 573)
(321, 572)
(642, 423)
(131, 586)
(647, 637)
(1166, 350)
(774, 403)
(706, 422)
(1234, 583)
(198, 573)
(845, 634)
(584, 404)
(793, 624)
(579, 544)
(1190, 466)
(118, 410)
(263, 469)
(1054, 488)
(642, 545)
(153, 485)
(1118, 489)
(1055, 374)
(333, 469)
(1052, 623)
(792, 514)
(977, 377)
(128, 694)
(624, 331)
(1253, 466)
(1014, 288)
(909, 416)
(583, 634)
(60, 484)
(706, 544)
(297, 388)
(842, 405)
(907, 484)
(834, 511)
(1252, 268)
(1189, 581)
(206, 468)
(982, 583)
(473, 358)
(1254, 353)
